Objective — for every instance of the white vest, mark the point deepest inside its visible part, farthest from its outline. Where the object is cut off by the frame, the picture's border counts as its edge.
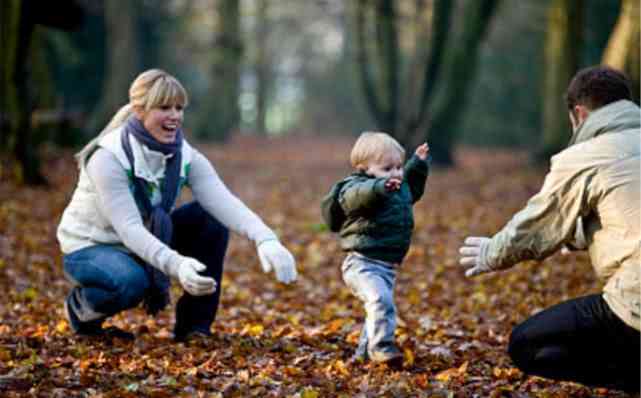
(83, 222)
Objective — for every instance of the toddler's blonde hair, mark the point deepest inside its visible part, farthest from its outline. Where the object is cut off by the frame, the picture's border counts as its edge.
(372, 146)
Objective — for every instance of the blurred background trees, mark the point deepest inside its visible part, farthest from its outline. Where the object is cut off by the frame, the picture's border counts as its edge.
(452, 72)
(447, 65)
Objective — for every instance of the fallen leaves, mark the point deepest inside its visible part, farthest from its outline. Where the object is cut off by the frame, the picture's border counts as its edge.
(448, 374)
(274, 340)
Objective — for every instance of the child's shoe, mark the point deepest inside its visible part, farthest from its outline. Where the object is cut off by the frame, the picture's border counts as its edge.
(390, 355)
(359, 358)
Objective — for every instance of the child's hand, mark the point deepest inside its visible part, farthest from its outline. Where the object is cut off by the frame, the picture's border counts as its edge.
(393, 184)
(422, 151)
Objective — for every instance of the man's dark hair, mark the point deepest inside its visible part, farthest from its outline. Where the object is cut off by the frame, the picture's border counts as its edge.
(597, 86)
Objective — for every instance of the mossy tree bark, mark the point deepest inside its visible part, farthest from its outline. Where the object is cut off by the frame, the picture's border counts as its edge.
(449, 67)
(622, 51)
(226, 56)
(562, 49)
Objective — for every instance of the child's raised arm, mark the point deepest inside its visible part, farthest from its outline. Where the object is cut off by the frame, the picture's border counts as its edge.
(417, 170)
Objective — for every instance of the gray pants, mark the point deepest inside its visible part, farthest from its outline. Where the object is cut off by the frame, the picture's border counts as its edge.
(372, 282)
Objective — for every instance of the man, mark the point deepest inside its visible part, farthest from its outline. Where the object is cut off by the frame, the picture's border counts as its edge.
(590, 199)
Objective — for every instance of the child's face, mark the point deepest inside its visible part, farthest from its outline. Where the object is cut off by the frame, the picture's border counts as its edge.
(390, 165)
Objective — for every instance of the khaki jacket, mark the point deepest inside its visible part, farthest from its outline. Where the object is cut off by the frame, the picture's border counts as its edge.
(595, 180)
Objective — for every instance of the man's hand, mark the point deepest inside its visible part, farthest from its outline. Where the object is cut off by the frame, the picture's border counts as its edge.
(422, 151)
(474, 256)
(191, 281)
(274, 256)
(393, 184)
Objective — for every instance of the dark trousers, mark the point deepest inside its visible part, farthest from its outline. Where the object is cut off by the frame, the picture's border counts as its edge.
(108, 280)
(579, 340)
(199, 235)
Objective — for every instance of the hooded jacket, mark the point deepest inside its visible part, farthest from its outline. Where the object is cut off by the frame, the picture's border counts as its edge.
(376, 223)
(596, 180)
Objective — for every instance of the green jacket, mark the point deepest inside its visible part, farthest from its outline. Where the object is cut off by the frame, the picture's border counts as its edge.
(372, 221)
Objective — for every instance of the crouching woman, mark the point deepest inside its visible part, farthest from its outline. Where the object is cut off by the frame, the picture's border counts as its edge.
(121, 237)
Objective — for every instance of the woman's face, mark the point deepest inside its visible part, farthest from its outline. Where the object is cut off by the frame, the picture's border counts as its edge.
(163, 122)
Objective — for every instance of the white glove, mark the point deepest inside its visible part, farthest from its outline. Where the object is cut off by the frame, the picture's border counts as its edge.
(273, 255)
(474, 255)
(191, 281)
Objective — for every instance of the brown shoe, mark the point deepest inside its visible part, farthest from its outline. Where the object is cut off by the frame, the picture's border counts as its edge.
(389, 355)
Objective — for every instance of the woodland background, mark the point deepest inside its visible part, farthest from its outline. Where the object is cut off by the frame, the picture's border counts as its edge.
(279, 90)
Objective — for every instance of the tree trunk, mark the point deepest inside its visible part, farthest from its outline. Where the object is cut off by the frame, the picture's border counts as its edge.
(17, 29)
(562, 49)
(381, 94)
(448, 71)
(387, 35)
(19, 60)
(122, 61)
(622, 51)
(263, 66)
(9, 42)
(458, 70)
(416, 121)
(227, 55)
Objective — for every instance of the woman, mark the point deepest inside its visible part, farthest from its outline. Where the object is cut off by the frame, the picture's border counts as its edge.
(122, 241)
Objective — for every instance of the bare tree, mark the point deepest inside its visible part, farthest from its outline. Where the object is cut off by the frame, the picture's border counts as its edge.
(457, 72)
(226, 54)
(622, 51)
(562, 51)
(263, 66)
(448, 69)
(122, 60)
(17, 22)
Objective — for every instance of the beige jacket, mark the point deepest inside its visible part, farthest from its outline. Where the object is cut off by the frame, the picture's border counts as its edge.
(596, 179)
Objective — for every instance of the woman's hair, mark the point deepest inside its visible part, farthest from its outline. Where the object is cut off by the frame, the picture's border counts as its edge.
(151, 89)
(373, 145)
(597, 86)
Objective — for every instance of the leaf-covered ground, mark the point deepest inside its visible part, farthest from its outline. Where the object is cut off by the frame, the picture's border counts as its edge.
(291, 341)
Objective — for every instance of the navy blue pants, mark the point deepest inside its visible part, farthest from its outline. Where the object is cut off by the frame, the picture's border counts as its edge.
(579, 340)
(109, 280)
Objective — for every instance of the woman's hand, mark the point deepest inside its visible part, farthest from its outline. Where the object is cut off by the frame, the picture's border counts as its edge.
(191, 281)
(275, 256)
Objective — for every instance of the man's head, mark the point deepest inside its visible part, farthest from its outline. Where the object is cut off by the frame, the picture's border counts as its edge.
(379, 155)
(592, 88)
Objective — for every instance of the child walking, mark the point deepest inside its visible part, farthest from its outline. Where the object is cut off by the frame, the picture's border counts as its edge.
(372, 211)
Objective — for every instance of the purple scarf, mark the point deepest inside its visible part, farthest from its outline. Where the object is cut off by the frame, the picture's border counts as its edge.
(156, 217)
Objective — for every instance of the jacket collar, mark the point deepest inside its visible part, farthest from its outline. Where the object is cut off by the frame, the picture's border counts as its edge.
(615, 117)
(148, 165)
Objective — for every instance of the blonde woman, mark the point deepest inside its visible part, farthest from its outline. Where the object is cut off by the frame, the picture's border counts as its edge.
(121, 237)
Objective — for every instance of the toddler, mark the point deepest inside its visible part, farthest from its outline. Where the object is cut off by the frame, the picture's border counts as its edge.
(372, 212)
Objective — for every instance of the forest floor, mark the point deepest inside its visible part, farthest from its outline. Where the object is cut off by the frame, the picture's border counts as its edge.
(275, 340)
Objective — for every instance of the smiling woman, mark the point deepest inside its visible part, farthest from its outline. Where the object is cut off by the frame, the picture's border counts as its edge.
(163, 122)
(121, 236)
